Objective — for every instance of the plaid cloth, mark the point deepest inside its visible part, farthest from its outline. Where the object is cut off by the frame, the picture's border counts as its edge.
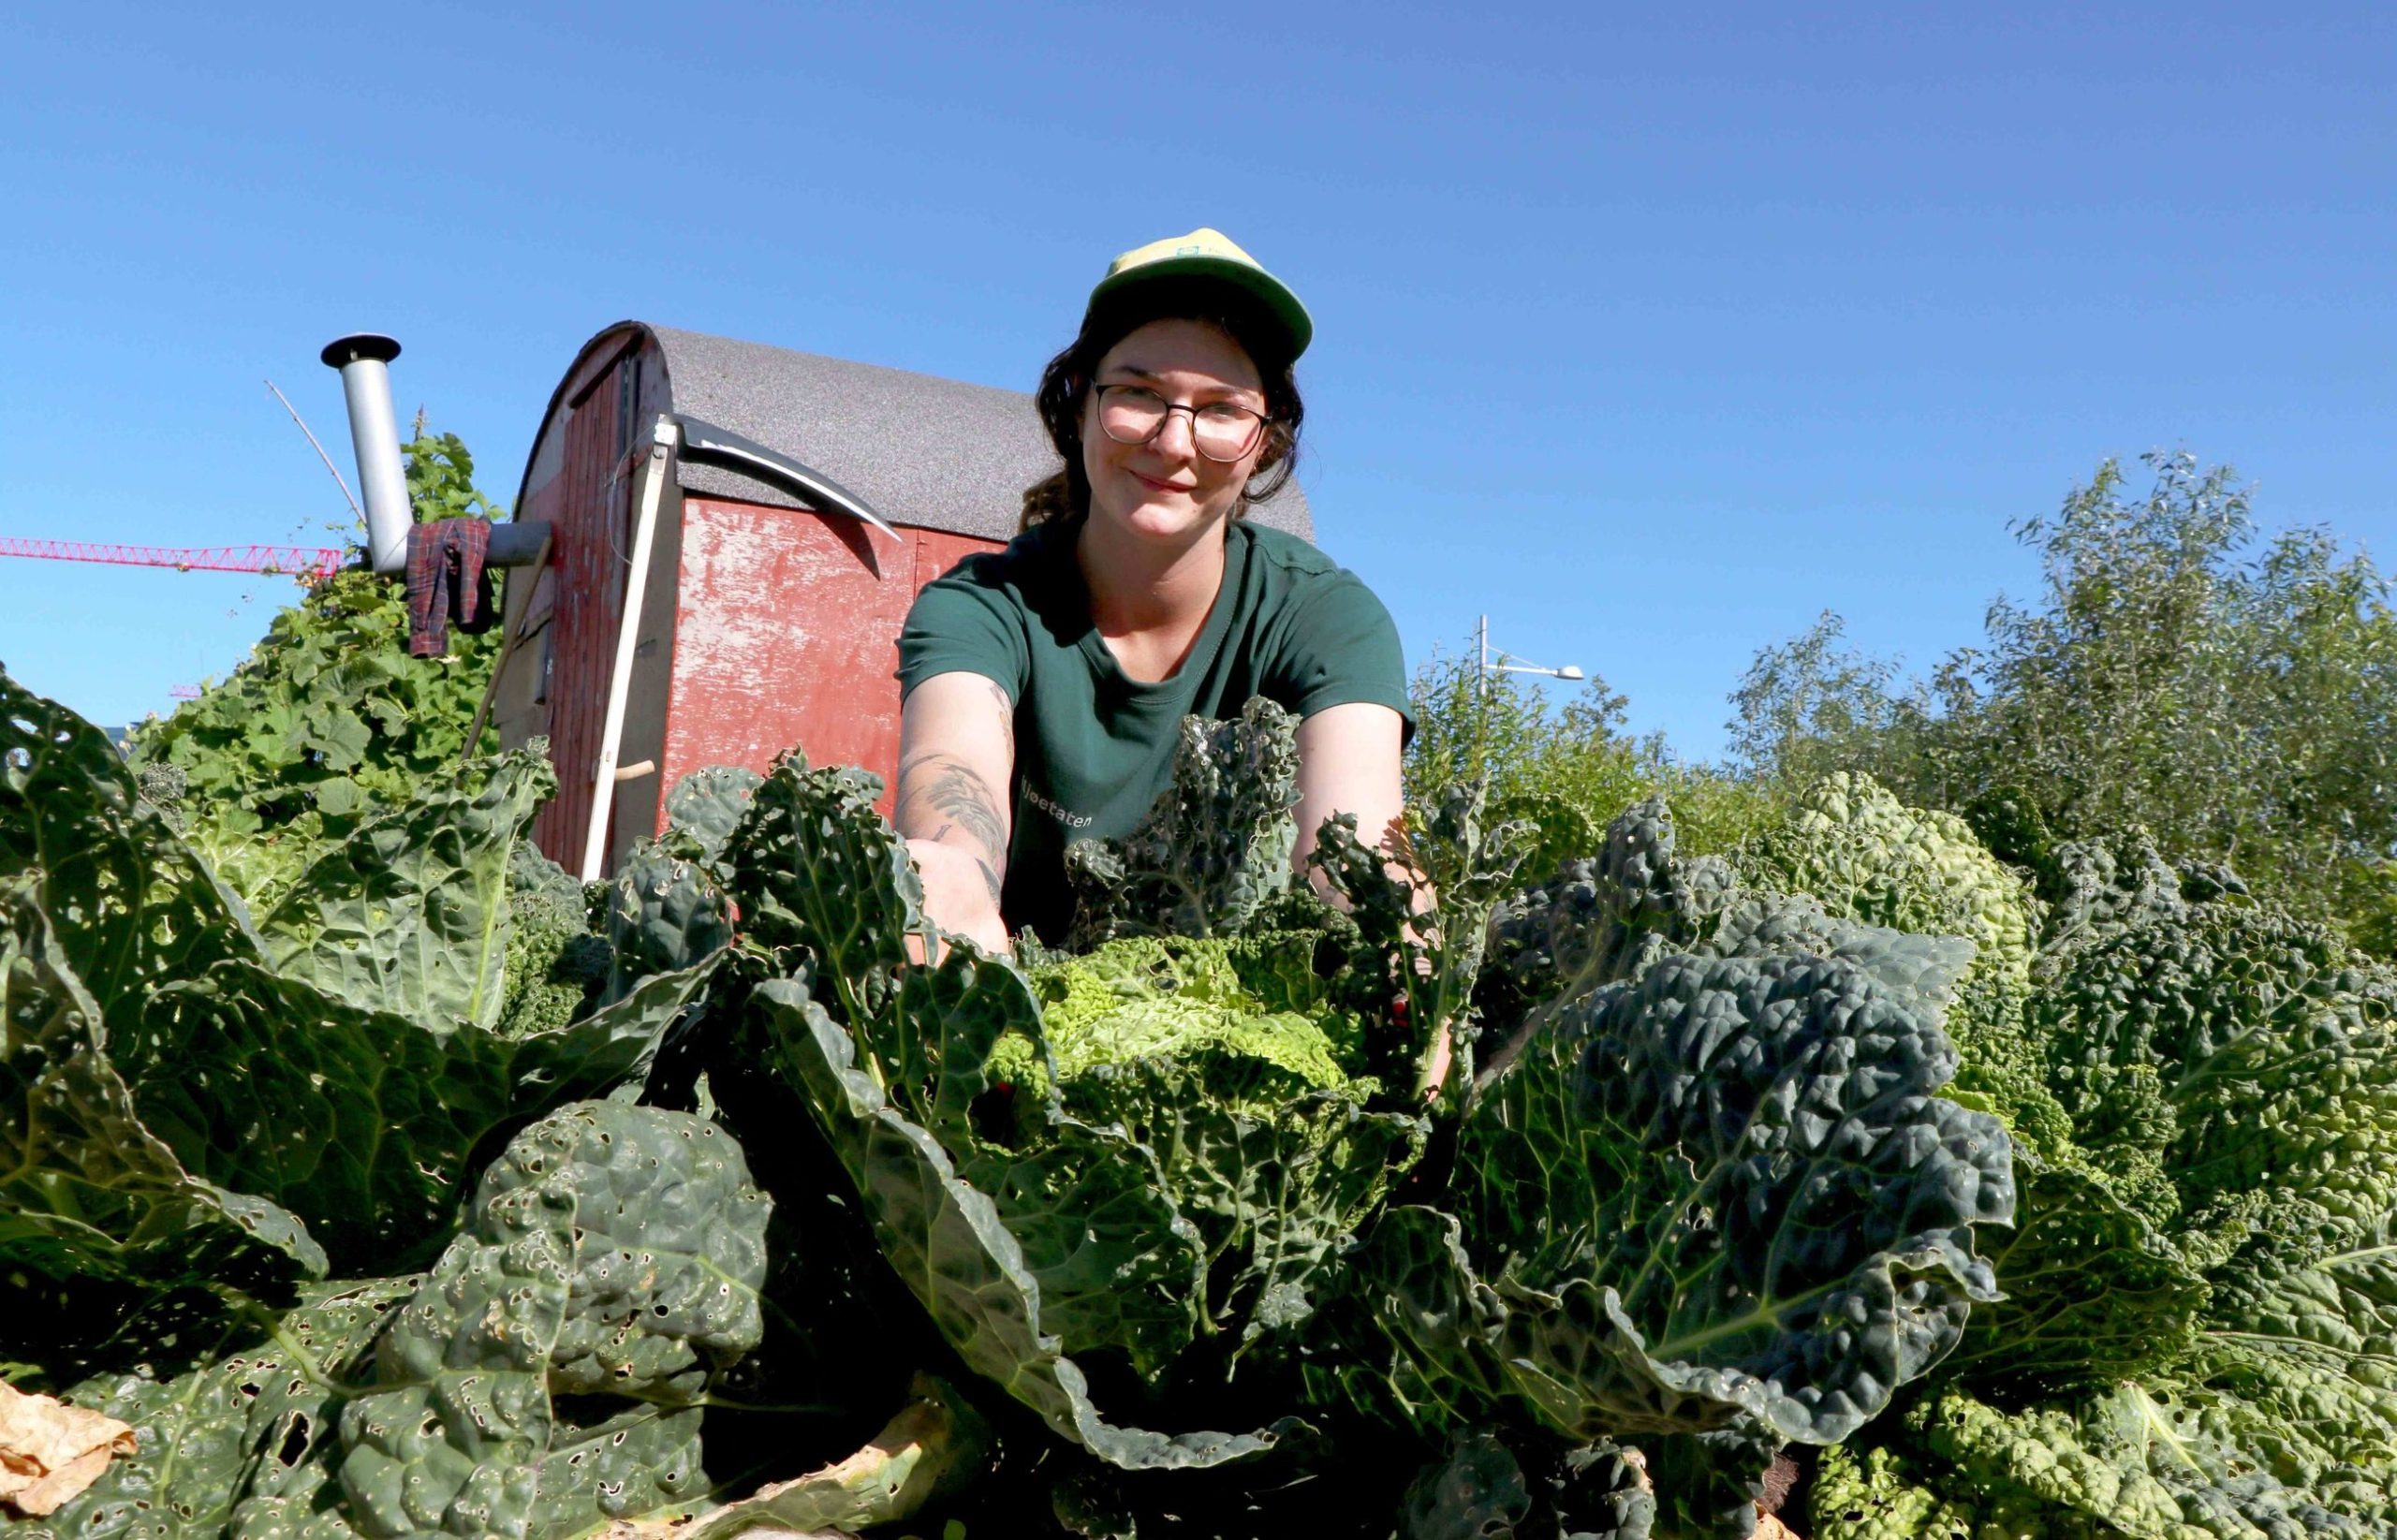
(446, 583)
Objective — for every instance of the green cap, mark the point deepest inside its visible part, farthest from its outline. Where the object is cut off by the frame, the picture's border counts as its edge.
(1211, 253)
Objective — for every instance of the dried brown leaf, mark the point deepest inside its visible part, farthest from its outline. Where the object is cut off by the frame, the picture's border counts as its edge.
(50, 1451)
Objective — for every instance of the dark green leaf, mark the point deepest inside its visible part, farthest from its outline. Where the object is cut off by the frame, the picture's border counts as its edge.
(948, 1242)
(410, 914)
(133, 907)
(1215, 845)
(1727, 1189)
(244, 1445)
(614, 1249)
(362, 1121)
(90, 1193)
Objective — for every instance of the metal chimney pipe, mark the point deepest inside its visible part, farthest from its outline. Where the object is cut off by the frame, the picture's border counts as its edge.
(375, 434)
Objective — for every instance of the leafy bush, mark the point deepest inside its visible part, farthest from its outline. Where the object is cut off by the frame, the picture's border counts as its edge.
(1568, 770)
(2239, 703)
(329, 718)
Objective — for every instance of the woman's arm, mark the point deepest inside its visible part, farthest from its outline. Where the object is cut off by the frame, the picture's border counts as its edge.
(956, 769)
(1348, 762)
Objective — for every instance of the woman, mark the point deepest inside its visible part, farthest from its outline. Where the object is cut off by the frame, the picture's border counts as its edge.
(1044, 684)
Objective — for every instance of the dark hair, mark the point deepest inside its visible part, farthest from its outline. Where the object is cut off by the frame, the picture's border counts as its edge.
(1064, 384)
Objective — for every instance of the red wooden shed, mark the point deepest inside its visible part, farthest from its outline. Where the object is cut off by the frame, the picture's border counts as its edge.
(768, 617)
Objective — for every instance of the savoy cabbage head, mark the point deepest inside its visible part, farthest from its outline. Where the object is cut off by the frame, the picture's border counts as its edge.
(2201, 1309)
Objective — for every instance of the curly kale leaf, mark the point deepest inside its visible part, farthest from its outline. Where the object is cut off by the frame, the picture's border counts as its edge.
(1432, 925)
(1216, 844)
(1119, 1268)
(2094, 1287)
(708, 804)
(1724, 1190)
(665, 912)
(2140, 1463)
(1260, 1134)
(2237, 1046)
(669, 906)
(1274, 1189)
(2095, 1292)
(411, 913)
(555, 967)
(1862, 856)
(2109, 883)
(615, 1251)
(2228, 1074)
(1600, 919)
(1869, 856)
(1869, 1491)
(1300, 954)
(1151, 998)
(823, 877)
(1921, 970)
(2233, 1081)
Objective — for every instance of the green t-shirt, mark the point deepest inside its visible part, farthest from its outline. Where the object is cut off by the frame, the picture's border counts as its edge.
(1094, 746)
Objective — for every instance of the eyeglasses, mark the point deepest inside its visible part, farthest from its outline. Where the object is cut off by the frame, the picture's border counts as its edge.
(1134, 414)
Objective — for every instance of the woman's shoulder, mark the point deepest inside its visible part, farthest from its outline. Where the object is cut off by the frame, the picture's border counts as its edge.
(1279, 551)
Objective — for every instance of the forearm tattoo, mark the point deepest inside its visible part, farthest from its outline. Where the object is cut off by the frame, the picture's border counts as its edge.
(941, 794)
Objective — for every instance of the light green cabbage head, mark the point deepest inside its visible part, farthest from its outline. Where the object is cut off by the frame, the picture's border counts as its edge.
(1871, 857)
(1151, 998)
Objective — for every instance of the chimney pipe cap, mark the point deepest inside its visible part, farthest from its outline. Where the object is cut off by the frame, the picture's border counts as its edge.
(364, 345)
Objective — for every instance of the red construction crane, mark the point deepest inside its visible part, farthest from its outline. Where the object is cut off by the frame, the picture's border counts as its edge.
(314, 563)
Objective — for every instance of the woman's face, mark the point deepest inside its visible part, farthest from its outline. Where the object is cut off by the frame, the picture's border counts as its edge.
(1166, 489)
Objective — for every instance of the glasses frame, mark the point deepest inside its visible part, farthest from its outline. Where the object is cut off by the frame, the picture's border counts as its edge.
(1258, 422)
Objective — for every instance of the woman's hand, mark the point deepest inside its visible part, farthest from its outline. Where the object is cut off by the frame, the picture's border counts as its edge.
(956, 760)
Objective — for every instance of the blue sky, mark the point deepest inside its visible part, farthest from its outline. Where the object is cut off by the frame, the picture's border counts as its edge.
(1650, 337)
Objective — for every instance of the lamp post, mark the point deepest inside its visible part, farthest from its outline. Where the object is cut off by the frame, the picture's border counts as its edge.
(1481, 634)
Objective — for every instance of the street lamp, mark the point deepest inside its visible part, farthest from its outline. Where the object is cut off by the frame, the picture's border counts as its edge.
(1481, 634)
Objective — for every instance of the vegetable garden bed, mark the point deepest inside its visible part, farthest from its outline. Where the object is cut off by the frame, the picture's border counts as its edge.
(440, 1198)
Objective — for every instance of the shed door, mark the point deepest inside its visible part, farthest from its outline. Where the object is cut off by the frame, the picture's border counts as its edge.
(590, 578)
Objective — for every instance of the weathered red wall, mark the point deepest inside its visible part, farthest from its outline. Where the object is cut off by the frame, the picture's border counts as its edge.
(590, 589)
(787, 634)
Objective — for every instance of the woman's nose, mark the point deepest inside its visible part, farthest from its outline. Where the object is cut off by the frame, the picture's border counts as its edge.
(1175, 422)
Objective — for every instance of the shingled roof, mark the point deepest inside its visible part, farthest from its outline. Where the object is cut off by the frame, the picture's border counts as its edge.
(922, 450)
